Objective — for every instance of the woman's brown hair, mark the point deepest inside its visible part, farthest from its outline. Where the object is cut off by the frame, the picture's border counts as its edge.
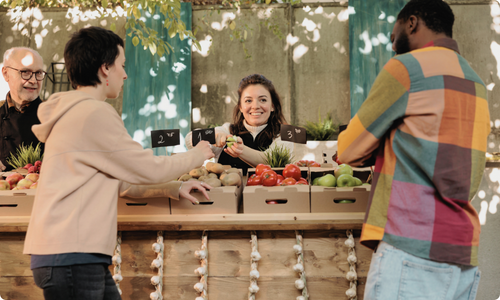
(276, 118)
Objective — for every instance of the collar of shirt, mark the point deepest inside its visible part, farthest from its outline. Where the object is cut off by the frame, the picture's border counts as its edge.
(444, 42)
(11, 103)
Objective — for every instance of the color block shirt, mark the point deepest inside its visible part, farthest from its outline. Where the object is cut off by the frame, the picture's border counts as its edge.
(426, 119)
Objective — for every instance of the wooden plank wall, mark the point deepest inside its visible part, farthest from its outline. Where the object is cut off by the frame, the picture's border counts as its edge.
(325, 259)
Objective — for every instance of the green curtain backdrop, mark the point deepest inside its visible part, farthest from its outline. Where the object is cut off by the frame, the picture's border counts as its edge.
(157, 93)
(370, 27)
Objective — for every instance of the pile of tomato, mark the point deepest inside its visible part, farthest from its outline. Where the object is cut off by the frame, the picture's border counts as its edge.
(265, 176)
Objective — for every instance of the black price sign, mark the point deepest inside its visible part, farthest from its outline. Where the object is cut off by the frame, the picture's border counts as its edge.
(293, 134)
(203, 135)
(165, 138)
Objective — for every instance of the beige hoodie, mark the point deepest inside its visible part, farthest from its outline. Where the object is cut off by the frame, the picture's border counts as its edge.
(88, 153)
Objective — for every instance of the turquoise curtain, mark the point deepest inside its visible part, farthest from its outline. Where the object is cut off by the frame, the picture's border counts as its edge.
(370, 27)
(157, 93)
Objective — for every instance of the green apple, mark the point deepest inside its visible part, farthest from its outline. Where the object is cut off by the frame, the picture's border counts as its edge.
(315, 181)
(346, 180)
(358, 181)
(328, 180)
(343, 169)
(366, 183)
(231, 140)
(345, 201)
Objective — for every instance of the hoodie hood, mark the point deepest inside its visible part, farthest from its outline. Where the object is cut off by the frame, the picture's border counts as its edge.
(50, 111)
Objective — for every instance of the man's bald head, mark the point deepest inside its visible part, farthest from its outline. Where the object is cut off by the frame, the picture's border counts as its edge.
(22, 59)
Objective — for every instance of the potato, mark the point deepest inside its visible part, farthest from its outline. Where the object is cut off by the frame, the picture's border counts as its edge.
(209, 165)
(196, 173)
(232, 170)
(192, 179)
(212, 175)
(203, 178)
(213, 182)
(222, 175)
(231, 179)
(216, 168)
(204, 171)
(185, 177)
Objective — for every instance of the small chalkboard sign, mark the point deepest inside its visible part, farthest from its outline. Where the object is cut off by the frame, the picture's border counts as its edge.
(203, 135)
(293, 134)
(165, 138)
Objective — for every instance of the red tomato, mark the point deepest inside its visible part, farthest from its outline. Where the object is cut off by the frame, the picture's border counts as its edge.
(302, 180)
(280, 180)
(292, 171)
(307, 163)
(254, 180)
(261, 168)
(269, 178)
(289, 181)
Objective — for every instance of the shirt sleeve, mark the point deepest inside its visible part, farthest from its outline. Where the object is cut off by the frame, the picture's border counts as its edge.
(386, 103)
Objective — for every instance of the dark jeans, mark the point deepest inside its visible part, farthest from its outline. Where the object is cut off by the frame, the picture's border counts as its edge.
(77, 282)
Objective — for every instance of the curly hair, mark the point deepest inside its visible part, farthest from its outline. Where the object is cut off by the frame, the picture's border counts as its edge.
(276, 118)
(436, 14)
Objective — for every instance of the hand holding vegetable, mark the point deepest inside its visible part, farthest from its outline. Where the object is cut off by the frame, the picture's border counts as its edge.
(234, 146)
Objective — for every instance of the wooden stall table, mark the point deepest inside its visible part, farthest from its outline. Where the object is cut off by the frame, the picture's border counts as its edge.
(229, 249)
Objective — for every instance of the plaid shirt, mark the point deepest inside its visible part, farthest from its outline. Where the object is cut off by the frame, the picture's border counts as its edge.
(427, 121)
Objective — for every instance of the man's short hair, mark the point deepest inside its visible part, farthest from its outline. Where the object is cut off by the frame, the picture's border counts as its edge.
(8, 53)
(86, 51)
(436, 14)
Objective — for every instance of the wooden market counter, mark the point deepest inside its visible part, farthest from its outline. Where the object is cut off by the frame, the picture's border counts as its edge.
(229, 248)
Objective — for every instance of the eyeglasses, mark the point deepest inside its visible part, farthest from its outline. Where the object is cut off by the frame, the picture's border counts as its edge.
(26, 75)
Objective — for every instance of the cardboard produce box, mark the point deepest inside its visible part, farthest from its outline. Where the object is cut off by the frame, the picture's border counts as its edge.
(143, 206)
(223, 200)
(339, 199)
(277, 199)
(16, 203)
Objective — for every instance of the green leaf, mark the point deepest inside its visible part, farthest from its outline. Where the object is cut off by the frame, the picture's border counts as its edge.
(152, 48)
(112, 27)
(268, 2)
(232, 25)
(104, 3)
(135, 41)
(137, 12)
(245, 35)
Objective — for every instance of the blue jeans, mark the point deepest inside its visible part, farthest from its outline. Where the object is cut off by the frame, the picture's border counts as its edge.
(76, 282)
(397, 275)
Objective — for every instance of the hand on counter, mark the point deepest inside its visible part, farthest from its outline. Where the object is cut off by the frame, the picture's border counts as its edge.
(189, 186)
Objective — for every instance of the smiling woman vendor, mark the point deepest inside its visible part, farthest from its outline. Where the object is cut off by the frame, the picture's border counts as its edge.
(257, 122)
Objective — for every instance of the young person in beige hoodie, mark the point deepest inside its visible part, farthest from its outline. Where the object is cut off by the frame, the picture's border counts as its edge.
(89, 158)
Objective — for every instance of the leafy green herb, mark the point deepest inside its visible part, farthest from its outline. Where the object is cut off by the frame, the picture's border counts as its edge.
(25, 155)
(278, 156)
(323, 129)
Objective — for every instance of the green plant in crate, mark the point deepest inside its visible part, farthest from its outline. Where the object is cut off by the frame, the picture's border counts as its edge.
(322, 130)
(25, 155)
(278, 156)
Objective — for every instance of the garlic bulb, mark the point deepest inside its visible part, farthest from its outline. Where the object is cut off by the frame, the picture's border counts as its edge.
(297, 248)
(254, 274)
(199, 287)
(253, 288)
(255, 256)
(298, 268)
(155, 280)
(299, 284)
(351, 293)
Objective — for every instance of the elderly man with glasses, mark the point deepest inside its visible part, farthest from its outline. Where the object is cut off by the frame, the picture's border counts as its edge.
(22, 69)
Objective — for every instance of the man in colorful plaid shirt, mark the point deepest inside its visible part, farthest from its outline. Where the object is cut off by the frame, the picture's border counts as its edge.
(426, 121)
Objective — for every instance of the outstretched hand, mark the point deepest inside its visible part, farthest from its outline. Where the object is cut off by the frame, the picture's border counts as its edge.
(188, 186)
(236, 149)
(204, 146)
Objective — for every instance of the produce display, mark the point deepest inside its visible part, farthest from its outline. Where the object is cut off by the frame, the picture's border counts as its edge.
(18, 181)
(265, 176)
(214, 174)
(343, 177)
(307, 163)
